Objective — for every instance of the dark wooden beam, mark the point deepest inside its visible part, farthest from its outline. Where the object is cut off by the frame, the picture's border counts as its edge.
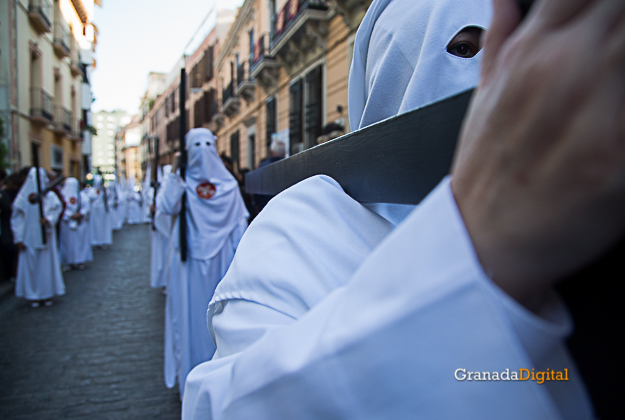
(399, 160)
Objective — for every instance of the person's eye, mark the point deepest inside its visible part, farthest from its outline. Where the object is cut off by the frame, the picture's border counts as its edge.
(197, 144)
(463, 50)
(466, 43)
(208, 144)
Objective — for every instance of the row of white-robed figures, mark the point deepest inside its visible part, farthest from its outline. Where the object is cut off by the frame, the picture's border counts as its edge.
(216, 219)
(87, 220)
(126, 205)
(111, 207)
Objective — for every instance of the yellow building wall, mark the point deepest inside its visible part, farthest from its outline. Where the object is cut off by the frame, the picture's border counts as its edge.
(30, 39)
(337, 69)
(335, 61)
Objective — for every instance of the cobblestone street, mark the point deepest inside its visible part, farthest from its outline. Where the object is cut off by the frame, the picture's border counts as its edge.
(97, 353)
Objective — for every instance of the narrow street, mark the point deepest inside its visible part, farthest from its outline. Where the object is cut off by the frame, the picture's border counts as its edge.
(97, 353)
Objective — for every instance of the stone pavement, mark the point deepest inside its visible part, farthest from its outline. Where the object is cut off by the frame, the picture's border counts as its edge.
(97, 353)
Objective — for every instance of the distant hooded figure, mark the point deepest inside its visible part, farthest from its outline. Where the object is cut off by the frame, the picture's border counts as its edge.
(119, 206)
(100, 219)
(160, 239)
(39, 275)
(147, 197)
(216, 219)
(134, 207)
(75, 241)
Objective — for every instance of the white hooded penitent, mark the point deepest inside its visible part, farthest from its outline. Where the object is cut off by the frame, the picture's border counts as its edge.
(75, 241)
(416, 309)
(38, 271)
(215, 221)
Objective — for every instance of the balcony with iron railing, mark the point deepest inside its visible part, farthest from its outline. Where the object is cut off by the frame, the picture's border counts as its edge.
(75, 68)
(245, 83)
(61, 40)
(75, 132)
(40, 14)
(231, 104)
(79, 134)
(74, 60)
(299, 32)
(62, 120)
(217, 119)
(264, 68)
(41, 106)
(352, 10)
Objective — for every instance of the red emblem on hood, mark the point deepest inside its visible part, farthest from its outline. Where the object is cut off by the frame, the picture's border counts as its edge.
(205, 190)
(31, 198)
(73, 200)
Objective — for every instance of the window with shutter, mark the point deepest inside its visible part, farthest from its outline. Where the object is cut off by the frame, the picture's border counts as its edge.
(201, 71)
(295, 117)
(251, 55)
(208, 64)
(271, 121)
(313, 107)
(198, 112)
(251, 151)
(208, 105)
(234, 149)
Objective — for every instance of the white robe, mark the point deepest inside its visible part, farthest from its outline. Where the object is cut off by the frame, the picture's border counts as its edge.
(134, 208)
(301, 264)
(161, 230)
(159, 240)
(100, 219)
(190, 287)
(389, 343)
(147, 196)
(75, 239)
(119, 210)
(38, 272)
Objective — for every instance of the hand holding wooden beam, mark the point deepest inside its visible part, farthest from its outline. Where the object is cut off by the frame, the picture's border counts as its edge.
(540, 173)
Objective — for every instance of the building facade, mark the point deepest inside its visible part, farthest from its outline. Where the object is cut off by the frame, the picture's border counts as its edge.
(278, 70)
(127, 145)
(106, 124)
(283, 73)
(155, 87)
(201, 104)
(46, 98)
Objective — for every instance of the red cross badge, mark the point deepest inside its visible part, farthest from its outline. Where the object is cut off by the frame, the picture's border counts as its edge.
(72, 200)
(205, 190)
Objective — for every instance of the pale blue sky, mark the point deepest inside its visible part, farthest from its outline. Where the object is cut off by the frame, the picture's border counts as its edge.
(139, 36)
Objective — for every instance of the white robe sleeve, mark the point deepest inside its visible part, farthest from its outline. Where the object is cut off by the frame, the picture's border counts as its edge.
(169, 197)
(85, 204)
(237, 324)
(18, 225)
(313, 237)
(52, 208)
(388, 344)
